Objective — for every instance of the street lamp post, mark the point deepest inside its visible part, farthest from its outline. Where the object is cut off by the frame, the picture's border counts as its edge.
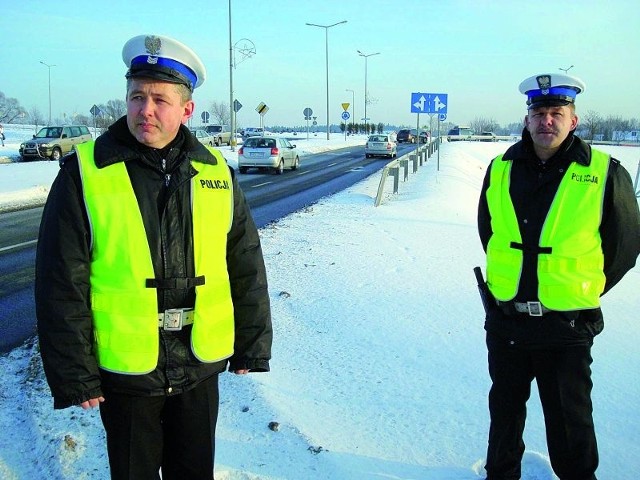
(326, 32)
(366, 95)
(232, 113)
(565, 70)
(49, 67)
(353, 107)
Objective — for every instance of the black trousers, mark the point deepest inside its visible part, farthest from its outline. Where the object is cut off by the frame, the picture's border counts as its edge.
(563, 375)
(175, 433)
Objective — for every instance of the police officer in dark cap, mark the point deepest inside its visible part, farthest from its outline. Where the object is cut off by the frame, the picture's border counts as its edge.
(560, 226)
(150, 279)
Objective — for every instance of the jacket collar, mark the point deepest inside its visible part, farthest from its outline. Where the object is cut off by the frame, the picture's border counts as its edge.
(117, 144)
(573, 147)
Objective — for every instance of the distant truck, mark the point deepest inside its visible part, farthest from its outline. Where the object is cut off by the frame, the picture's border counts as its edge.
(220, 133)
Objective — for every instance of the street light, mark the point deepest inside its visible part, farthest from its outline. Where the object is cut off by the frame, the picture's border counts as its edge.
(232, 113)
(366, 96)
(326, 33)
(565, 70)
(49, 67)
(353, 106)
(246, 51)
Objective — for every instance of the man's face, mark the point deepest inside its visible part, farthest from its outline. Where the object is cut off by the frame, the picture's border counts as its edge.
(550, 126)
(155, 111)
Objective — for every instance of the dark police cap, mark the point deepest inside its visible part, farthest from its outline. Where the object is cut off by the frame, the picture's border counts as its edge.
(551, 90)
(163, 58)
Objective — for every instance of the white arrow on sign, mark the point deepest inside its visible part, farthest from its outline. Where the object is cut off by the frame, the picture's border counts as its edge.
(420, 103)
(438, 104)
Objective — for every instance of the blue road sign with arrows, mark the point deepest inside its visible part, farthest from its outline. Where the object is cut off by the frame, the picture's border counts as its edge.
(429, 102)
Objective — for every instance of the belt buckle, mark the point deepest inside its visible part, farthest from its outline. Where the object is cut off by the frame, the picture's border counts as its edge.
(173, 319)
(535, 309)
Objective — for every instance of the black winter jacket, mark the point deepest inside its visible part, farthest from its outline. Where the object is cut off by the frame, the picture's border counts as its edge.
(533, 187)
(161, 182)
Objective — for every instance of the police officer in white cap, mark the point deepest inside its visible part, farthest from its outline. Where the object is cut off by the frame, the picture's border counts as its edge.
(560, 225)
(150, 279)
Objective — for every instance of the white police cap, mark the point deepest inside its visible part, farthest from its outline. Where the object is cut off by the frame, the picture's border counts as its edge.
(551, 89)
(163, 58)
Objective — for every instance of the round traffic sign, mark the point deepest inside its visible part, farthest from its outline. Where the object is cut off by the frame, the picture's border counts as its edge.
(442, 117)
(345, 115)
(307, 112)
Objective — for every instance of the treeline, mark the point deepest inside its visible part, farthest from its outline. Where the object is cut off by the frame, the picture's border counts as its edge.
(592, 125)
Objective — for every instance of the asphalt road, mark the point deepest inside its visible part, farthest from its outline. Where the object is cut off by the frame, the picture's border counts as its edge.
(270, 197)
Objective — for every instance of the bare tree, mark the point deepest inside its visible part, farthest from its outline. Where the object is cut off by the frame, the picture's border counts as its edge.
(114, 109)
(482, 124)
(36, 117)
(10, 109)
(221, 113)
(591, 123)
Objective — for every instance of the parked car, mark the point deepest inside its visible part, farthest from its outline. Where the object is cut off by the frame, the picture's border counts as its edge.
(459, 133)
(382, 145)
(203, 137)
(490, 137)
(54, 142)
(220, 134)
(275, 153)
(253, 132)
(407, 135)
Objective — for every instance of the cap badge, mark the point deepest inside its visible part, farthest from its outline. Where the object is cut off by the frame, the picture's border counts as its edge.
(544, 83)
(153, 45)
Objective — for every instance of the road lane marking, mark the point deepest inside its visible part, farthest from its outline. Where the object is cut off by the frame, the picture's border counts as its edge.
(18, 245)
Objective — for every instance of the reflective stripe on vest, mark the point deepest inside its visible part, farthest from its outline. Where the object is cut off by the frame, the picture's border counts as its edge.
(125, 311)
(571, 274)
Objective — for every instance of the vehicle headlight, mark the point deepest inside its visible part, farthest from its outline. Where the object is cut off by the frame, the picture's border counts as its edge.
(45, 145)
(22, 145)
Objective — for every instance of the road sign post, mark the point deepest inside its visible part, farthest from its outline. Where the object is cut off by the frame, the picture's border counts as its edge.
(345, 116)
(432, 103)
(429, 102)
(262, 109)
(307, 112)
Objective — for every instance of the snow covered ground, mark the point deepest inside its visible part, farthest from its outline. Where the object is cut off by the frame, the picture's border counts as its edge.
(379, 363)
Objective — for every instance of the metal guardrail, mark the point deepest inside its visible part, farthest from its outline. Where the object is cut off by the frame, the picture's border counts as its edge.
(416, 158)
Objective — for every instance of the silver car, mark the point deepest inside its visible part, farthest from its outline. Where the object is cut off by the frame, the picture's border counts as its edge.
(381, 144)
(203, 137)
(275, 153)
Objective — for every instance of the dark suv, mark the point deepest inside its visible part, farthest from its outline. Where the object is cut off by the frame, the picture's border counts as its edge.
(406, 136)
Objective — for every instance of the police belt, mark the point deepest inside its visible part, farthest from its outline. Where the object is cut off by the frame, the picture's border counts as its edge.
(174, 319)
(533, 308)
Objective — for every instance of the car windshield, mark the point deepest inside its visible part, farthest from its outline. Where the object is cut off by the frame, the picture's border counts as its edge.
(50, 132)
(378, 138)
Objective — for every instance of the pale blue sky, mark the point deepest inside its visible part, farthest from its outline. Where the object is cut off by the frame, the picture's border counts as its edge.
(477, 52)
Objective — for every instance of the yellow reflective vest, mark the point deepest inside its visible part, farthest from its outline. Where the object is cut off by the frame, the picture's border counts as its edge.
(125, 311)
(570, 259)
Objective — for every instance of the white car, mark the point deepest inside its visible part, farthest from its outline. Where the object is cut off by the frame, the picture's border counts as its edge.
(275, 153)
(203, 137)
(253, 132)
(381, 144)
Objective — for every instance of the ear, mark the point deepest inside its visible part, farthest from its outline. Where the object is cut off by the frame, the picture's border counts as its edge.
(526, 121)
(574, 122)
(189, 108)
